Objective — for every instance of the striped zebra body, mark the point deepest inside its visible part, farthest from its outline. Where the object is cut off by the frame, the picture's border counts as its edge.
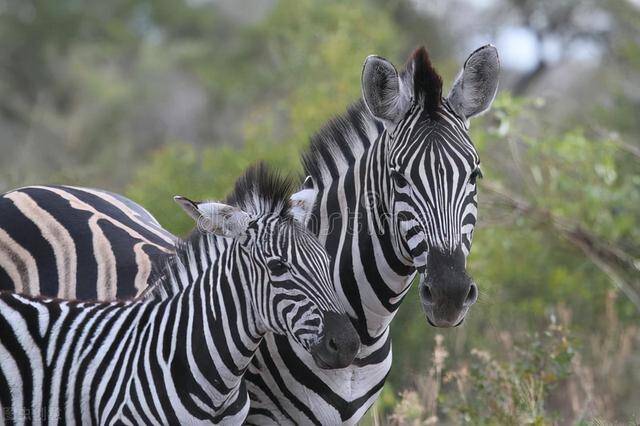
(93, 363)
(176, 356)
(83, 243)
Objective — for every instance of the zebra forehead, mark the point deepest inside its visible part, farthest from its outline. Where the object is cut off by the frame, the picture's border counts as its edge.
(286, 233)
(434, 149)
(421, 129)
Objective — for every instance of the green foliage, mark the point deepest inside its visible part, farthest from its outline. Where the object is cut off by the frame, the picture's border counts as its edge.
(315, 77)
(511, 391)
(206, 174)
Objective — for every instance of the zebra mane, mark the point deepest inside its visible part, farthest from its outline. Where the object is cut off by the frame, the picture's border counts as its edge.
(332, 148)
(423, 79)
(260, 191)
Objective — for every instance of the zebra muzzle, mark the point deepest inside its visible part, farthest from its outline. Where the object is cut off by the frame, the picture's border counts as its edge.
(339, 344)
(446, 290)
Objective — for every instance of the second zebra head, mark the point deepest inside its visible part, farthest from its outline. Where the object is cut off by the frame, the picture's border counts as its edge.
(290, 282)
(428, 182)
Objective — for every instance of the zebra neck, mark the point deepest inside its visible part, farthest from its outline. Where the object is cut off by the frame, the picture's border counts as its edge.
(347, 163)
(219, 336)
(208, 286)
(211, 332)
(189, 262)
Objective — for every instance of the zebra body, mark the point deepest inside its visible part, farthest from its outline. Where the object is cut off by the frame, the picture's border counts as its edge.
(177, 355)
(77, 243)
(94, 363)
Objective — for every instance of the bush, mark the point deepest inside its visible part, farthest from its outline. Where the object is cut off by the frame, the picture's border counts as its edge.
(509, 388)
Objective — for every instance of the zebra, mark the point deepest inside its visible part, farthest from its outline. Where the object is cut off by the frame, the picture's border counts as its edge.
(178, 354)
(394, 184)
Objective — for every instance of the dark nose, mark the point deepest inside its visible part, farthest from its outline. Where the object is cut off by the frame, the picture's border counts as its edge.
(339, 344)
(446, 291)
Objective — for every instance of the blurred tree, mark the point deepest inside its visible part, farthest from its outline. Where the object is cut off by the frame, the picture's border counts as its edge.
(308, 56)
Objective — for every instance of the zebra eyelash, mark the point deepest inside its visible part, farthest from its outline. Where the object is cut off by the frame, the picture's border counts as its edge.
(476, 174)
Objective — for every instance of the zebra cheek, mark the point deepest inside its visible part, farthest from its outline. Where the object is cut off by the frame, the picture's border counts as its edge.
(420, 262)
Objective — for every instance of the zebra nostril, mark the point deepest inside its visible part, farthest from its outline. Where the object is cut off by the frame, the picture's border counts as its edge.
(425, 292)
(472, 295)
(333, 346)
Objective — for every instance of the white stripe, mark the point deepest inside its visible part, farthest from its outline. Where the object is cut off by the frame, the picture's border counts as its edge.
(43, 313)
(64, 248)
(34, 357)
(144, 267)
(10, 251)
(11, 373)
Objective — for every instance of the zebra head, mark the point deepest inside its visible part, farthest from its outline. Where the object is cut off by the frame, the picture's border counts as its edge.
(291, 288)
(430, 169)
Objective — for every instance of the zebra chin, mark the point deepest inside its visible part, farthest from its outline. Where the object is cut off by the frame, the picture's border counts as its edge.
(446, 290)
(339, 344)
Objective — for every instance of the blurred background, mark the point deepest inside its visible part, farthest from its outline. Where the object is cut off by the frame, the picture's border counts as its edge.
(157, 98)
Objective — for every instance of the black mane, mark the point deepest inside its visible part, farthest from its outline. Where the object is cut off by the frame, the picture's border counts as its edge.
(262, 191)
(426, 82)
(333, 145)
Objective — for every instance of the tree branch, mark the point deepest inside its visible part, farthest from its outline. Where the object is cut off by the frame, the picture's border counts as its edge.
(614, 262)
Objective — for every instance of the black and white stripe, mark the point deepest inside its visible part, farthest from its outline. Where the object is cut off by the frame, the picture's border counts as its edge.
(70, 242)
(176, 356)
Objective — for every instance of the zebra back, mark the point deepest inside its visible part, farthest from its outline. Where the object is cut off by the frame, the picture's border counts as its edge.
(54, 240)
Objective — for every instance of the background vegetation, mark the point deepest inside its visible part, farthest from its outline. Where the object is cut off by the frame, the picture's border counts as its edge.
(160, 97)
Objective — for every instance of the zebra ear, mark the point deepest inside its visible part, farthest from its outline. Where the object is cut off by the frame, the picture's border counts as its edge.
(215, 218)
(301, 203)
(382, 91)
(477, 83)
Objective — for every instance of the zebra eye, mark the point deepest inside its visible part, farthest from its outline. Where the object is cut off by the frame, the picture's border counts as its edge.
(398, 179)
(277, 266)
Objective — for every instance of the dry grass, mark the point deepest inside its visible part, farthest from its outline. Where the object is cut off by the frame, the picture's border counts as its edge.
(542, 380)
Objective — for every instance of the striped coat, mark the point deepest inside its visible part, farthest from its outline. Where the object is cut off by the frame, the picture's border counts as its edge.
(55, 238)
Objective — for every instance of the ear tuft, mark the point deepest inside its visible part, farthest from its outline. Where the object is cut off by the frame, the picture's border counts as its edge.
(308, 183)
(427, 83)
(301, 203)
